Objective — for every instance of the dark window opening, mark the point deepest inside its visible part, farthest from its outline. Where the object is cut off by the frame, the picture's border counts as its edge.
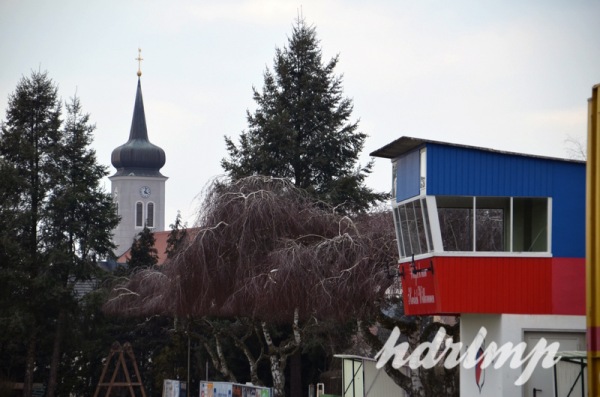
(492, 223)
(139, 214)
(150, 220)
(530, 230)
(456, 222)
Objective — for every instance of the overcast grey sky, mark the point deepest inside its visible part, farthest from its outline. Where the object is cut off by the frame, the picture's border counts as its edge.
(508, 75)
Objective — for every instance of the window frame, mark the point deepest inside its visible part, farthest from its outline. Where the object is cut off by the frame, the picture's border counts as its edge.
(434, 237)
(425, 215)
(509, 237)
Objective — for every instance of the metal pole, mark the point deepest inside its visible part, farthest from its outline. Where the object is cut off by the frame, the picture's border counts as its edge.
(593, 244)
(555, 380)
(188, 365)
(582, 368)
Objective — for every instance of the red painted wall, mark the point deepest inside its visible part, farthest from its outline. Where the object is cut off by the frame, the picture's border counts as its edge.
(568, 286)
(517, 285)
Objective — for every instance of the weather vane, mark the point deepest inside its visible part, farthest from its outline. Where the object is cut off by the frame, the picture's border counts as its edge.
(139, 59)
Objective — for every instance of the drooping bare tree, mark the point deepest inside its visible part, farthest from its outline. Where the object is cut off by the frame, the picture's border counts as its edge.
(265, 250)
(265, 253)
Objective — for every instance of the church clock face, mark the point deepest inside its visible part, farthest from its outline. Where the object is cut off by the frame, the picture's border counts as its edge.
(145, 191)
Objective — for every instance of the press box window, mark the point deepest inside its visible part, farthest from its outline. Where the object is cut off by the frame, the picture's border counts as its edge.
(456, 222)
(493, 224)
(530, 219)
(412, 228)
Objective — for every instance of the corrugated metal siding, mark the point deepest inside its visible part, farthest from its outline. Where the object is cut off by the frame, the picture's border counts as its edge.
(515, 285)
(568, 286)
(455, 170)
(408, 177)
(568, 211)
(484, 285)
(495, 284)
(460, 171)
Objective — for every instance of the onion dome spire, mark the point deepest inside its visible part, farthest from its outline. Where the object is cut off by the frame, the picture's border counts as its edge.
(138, 156)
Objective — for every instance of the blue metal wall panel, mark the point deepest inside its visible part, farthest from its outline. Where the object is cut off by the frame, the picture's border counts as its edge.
(460, 171)
(568, 215)
(463, 171)
(408, 180)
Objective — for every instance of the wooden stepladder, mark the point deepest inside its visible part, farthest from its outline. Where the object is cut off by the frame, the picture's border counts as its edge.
(121, 360)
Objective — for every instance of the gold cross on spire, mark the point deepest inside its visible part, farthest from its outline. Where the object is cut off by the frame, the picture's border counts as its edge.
(139, 59)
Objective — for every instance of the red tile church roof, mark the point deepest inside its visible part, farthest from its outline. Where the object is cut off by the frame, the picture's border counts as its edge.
(160, 244)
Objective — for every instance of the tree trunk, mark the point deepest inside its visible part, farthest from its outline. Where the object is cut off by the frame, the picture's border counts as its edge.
(404, 381)
(56, 352)
(278, 377)
(30, 365)
(278, 355)
(252, 361)
(218, 359)
(415, 374)
(277, 372)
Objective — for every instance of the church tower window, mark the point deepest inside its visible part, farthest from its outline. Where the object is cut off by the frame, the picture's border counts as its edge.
(150, 217)
(139, 214)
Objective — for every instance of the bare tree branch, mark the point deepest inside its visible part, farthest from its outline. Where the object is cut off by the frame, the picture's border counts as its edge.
(265, 250)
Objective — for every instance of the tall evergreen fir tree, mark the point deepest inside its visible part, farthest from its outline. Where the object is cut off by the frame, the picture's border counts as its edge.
(143, 253)
(83, 214)
(301, 128)
(29, 147)
(55, 222)
(81, 219)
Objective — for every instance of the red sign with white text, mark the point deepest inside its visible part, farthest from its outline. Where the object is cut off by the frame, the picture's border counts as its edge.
(473, 284)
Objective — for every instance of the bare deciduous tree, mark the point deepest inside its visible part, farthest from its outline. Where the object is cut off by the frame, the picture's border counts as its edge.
(265, 250)
(268, 254)
(575, 148)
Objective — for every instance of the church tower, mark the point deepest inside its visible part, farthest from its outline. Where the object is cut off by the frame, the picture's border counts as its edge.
(138, 187)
